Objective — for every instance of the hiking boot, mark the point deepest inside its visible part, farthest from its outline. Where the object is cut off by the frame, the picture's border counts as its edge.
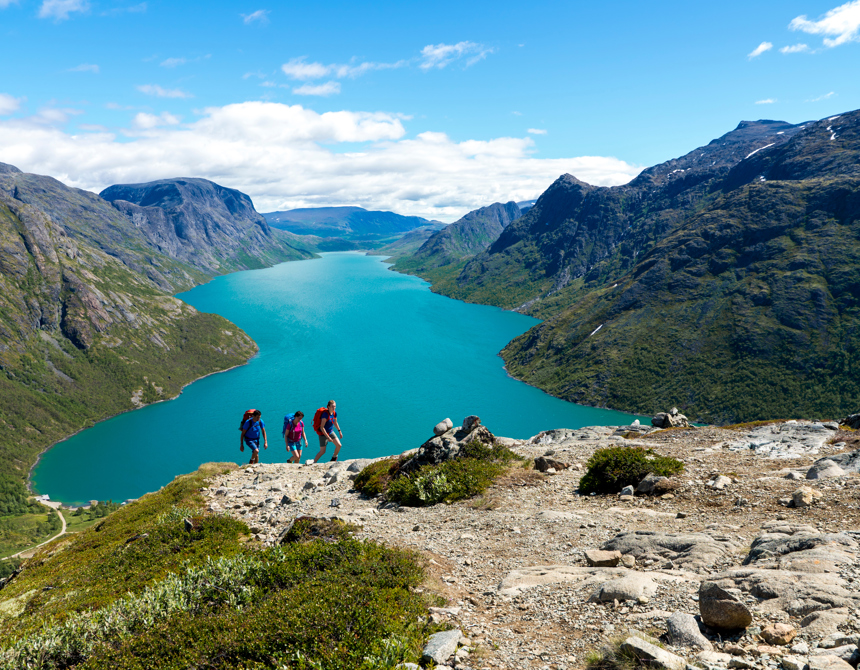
(333, 458)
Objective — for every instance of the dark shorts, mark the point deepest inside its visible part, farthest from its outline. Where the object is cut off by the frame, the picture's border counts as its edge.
(323, 439)
(254, 444)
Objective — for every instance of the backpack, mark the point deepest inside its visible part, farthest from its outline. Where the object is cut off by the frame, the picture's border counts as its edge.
(247, 415)
(287, 421)
(318, 420)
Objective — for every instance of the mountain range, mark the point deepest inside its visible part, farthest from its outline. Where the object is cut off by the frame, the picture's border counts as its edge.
(725, 282)
(366, 228)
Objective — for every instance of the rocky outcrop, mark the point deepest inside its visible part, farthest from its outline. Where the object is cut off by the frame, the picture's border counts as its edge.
(671, 419)
(449, 444)
(838, 465)
(690, 551)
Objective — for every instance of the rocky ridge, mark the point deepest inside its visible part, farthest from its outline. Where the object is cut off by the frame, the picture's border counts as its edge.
(518, 566)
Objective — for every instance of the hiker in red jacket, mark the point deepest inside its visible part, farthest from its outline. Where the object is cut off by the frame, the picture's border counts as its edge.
(325, 421)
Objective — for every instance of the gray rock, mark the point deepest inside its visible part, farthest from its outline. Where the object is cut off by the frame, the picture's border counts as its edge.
(359, 464)
(847, 652)
(652, 654)
(828, 662)
(805, 496)
(721, 609)
(627, 491)
(691, 551)
(802, 549)
(629, 587)
(651, 483)
(471, 422)
(602, 559)
(848, 462)
(838, 640)
(670, 419)
(825, 622)
(852, 421)
(791, 662)
(441, 646)
(446, 447)
(443, 427)
(544, 464)
(720, 482)
(683, 631)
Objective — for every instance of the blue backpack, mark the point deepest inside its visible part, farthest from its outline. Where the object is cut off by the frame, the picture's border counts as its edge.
(287, 421)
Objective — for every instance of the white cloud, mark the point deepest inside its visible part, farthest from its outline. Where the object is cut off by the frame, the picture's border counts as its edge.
(840, 25)
(329, 88)
(5, 3)
(537, 131)
(8, 104)
(759, 50)
(297, 68)
(60, 9)
(154, 89)
(794, 49)
(85, 67)
(826, 96)
(287, 156)
(173, 62)
(145, 121)
(441, 55)
(766, 101)
(260, 16)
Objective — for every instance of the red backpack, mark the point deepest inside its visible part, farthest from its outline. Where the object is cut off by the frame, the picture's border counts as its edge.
(318, 420)
(247, 415)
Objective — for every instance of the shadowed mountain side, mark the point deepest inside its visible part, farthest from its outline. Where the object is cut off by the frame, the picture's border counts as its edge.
(444, 253)
(408, 244)
(213, 228)
(577, 236)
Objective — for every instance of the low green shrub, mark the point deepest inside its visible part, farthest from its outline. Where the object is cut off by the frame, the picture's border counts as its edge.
(610, 470)
(308, 528)
(468, 475)
(374, 479)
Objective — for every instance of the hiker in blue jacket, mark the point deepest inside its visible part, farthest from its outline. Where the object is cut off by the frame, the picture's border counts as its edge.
(294, 431)
(327, 422)
(251, 430)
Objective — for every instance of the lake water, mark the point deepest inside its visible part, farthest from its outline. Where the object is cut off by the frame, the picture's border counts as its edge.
(396, 358)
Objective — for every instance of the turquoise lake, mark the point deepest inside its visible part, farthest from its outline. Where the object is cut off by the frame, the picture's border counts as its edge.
(396, 358)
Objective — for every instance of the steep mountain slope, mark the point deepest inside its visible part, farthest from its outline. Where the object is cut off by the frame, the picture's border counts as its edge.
(445, 253)
(351, 223)
(577, 235)
(208, 226)
(409, 243)
(88, 325)
(749, 310)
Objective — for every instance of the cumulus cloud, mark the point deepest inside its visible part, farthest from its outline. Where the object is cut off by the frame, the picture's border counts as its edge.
(442, 55)
(329, 88)
(839, 25)
(794, 49)
(260, 16)
(85, 67)
(826, 96)
(60, 9)
(146, 121)
(759, 50)
(766, 101)
(537, 131)
(8, 104)
(286, 156)
(157, 91)
(297, 68)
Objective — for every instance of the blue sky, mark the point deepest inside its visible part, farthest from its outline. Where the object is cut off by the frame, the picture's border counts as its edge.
(429, 109)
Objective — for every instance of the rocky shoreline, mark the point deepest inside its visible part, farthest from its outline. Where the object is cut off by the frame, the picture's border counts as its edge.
(537, 576)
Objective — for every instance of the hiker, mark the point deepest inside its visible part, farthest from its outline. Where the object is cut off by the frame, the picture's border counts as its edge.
(251, 430)
(325, 420)
(294, 431)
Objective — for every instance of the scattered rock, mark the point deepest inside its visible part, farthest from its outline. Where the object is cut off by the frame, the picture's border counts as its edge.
(828, 662)
(655, 484)
(790, 662)
(835, 466)
(721, 609)
(602, 559)
(848, 653)
(443, 427)
(652, 654)
(778, 633)
(441, 646)
(683, 631)
(720, 482)
(630, 587)
(670, 419)
(359, 464)
(805, 496)
(543, 464)
(852, 421)
(823, 623)
(627, 491)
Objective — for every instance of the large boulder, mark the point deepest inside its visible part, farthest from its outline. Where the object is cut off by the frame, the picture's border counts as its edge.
(722, 610)
(682, 630)
(835, 466)
(443, 427)
(691, 551)
(671, 419)
(652, 656)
